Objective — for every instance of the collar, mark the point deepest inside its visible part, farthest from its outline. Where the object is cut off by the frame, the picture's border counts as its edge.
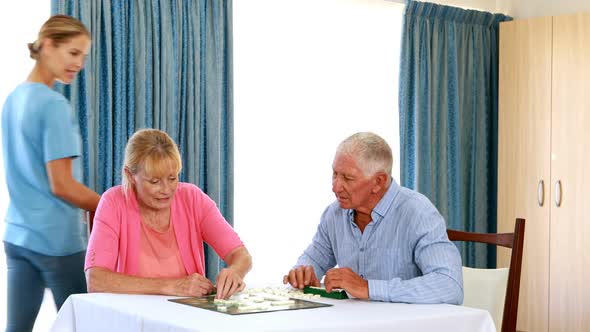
(383, 205)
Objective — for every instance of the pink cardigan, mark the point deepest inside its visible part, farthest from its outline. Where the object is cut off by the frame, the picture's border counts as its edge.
(114, 241)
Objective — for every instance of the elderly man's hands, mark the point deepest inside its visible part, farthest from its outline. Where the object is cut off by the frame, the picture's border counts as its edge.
(302, 276)
(346, 279)
(228, 282)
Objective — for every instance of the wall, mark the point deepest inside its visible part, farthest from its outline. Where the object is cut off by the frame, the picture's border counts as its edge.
(521, 8)
(305, 77)
(538, 8)
(484, 5)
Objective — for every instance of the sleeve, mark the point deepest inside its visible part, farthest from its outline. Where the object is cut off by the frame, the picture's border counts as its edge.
(319, 253)
(216, 231)
(103, 245)
(60, 132)
(440, 263)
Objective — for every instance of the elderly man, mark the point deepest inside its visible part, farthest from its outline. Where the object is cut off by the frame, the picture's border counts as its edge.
(389, 242)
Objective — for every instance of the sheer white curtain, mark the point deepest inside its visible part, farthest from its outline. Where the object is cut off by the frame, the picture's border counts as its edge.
(307, 74)
(19, 22)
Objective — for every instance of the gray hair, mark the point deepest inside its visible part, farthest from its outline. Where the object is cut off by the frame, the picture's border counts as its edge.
(371, 152)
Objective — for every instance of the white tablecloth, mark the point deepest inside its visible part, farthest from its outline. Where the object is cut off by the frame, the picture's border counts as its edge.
(115, 312)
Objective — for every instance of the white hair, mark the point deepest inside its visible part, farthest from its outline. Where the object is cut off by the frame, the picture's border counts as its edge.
(371, 152)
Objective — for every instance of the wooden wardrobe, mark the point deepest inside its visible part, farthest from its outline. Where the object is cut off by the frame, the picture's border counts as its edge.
(544, 166)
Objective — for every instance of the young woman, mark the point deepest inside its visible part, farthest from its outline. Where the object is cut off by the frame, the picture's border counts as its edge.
(41, 143)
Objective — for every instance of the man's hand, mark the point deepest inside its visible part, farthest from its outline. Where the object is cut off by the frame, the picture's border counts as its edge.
(229, 281)
(346, 279)
(192, 285)
(302, 276)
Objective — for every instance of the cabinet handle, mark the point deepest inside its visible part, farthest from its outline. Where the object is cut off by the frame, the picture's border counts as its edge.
(558, 193)
(541, 192)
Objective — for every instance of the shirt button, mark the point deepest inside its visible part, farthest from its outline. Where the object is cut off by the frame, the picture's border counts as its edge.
(362, 249)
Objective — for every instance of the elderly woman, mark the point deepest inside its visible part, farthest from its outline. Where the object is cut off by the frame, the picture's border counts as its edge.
(148, 233)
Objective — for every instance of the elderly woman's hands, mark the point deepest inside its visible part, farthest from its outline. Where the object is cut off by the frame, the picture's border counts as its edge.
(228, 282)
(193, 285)
(231, 279)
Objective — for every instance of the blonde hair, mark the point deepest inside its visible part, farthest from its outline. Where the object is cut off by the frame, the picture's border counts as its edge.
(371, 152)
(59, 29)
(151, 150)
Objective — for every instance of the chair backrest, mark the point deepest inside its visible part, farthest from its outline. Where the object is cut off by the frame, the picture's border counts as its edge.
(509, 240)
(90, 220)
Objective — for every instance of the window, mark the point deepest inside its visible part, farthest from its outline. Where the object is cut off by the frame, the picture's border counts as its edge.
(307, 74)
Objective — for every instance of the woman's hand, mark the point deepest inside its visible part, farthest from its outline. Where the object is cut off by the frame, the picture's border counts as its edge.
(228, 282)
(193, 285)
(231, 279)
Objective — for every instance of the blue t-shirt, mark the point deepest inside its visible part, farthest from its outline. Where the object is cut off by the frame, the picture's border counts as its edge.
(38, 126)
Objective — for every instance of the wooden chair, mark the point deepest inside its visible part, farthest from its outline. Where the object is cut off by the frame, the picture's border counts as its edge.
(509, 240)
(90, 220)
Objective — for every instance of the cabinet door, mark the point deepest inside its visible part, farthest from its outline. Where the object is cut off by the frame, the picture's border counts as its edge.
(570, 222)
(524, 143)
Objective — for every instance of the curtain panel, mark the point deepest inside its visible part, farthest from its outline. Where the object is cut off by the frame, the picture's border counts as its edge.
(164, 65)
(448, 103)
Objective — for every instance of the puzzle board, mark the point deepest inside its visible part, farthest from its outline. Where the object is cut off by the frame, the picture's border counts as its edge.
(249, 303)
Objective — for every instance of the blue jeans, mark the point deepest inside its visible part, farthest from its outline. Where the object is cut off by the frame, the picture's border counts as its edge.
(29, 273)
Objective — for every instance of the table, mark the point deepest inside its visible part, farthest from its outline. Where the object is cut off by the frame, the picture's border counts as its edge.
(118, 312)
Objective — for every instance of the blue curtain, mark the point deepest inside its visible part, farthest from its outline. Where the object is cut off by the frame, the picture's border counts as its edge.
(448, 103)
(158, 64)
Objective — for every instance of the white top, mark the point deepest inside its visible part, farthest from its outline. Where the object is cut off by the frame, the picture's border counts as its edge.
(116, 312)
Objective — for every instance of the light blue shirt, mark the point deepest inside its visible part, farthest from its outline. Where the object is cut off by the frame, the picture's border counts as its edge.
(38, 126)
(404, 252)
